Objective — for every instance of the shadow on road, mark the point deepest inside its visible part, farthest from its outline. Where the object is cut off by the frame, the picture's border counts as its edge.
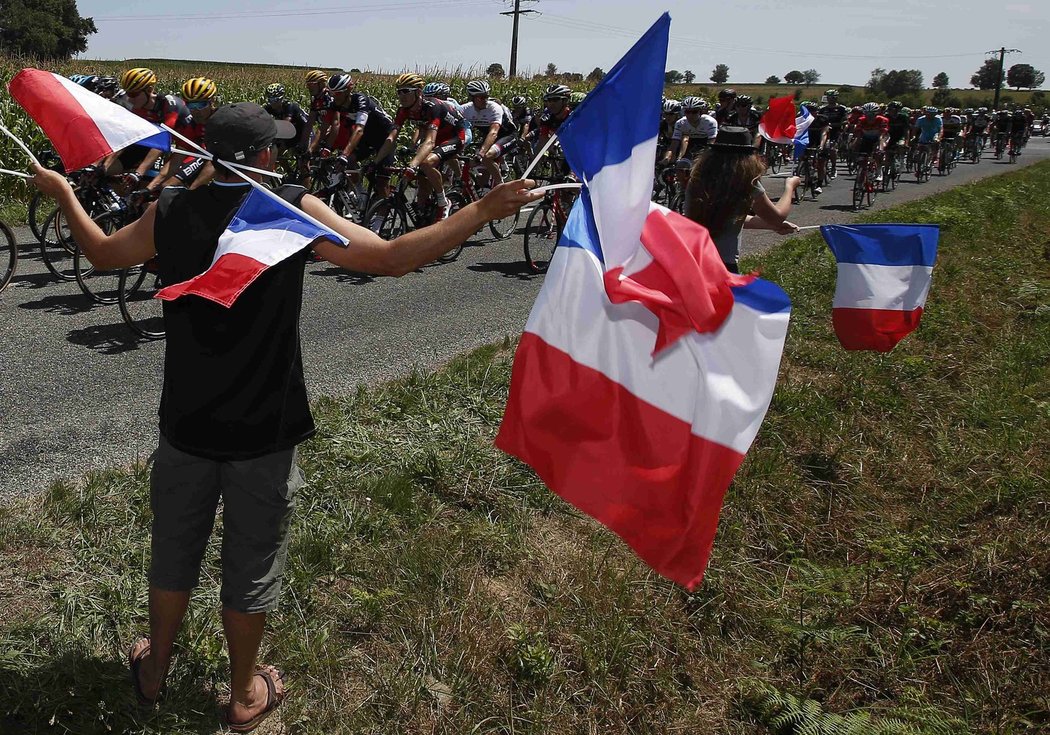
(839, 207)
(518, 269)
(64, 304)
(344, 276)
(107, 339)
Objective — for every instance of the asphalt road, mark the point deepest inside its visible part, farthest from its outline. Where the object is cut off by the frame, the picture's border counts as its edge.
(77, 392)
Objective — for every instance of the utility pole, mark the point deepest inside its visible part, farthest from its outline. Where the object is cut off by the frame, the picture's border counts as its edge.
(999, 78)
(516, 13)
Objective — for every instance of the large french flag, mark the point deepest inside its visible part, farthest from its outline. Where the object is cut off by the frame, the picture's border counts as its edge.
(264, 231)
(884, 274)
(82, 126)
(645, 369)
(780, 124)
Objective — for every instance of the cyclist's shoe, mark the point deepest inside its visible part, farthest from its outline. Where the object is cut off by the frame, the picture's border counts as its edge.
(878, 179)
(440, 212)
(817, 191)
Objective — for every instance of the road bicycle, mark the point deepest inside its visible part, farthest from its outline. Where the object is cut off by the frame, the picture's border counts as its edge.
(545, 223)
(666, 190)
(923, 162)
(866, 184)
(141, 311)
(103, 286)
(1000, 146)
(39, 208)
(473, 184)
(892, 166)
(946, 157)
(335, 187)
(8, 255)
(778, 155)
(807, 170)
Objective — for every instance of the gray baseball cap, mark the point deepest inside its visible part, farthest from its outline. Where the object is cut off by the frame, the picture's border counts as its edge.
(238, 131)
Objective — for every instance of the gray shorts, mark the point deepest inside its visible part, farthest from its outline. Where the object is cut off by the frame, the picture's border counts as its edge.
(258, 497)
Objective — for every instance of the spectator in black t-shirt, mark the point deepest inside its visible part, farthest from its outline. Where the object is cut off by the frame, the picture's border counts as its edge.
(234, 405)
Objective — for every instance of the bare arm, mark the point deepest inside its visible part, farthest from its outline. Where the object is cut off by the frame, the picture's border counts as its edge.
(369, 253)
(490, 138)
(774, 214)
(425, 148)
(126, 247)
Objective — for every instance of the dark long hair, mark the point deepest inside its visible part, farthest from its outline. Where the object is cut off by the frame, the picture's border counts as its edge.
(720, 186)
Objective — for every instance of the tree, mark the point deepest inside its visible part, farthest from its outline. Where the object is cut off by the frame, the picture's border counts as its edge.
(810, 76)
(894, 83)
(673, 77)
(45, 29)
(941, 81)
(794, 77)
(596, 75)
(720, 75)
(495, 71)
(1024, 75)
(987, 76)
(772, 79)
(552, 70)
(688, 76)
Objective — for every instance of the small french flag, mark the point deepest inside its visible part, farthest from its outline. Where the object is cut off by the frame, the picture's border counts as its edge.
(264, 231)
(82, 126)
(884, 274)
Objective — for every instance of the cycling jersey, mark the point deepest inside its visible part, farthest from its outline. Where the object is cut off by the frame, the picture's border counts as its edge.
(549, 122)
(166, 109)
(434, 114)
(699, 135)
(898, 128)
(749, 120)
(321, 103)
(523, 118)
(871, 127)
(293, 114)
(952, 126)
(835, 115)
(722, 114)
(816, 130)
(362, 111)
(481, 120)
(980, 122)
(928, 128)
(1020, 124)
(852, 119)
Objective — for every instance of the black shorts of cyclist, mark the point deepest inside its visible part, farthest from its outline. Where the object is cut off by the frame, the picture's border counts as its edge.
(447, 150)
(132, 156)
(506, 144)
(188, 172)
(363, 153)
(867, 145)
(833, 134)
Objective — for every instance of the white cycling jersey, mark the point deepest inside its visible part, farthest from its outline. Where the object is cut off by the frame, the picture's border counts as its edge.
(706, 127)
(492, 112)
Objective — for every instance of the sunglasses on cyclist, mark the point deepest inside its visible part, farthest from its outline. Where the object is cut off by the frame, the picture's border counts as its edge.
(406, 90)
(198, 105)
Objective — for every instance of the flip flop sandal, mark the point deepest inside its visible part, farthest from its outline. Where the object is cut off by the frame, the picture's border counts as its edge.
(273, 700)
(135, 656)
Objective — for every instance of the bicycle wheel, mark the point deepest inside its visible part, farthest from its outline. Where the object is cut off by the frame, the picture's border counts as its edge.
(541, 237)
(776, 159)
(387, 218)
(858, 189)
(58, 249)
(456, 201)
(503, 228)
(143, 314)
(8, 255)
(101, 286)
(38, 214)
(871, 188)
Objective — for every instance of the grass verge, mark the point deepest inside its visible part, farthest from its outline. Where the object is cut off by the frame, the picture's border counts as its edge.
(881, 565)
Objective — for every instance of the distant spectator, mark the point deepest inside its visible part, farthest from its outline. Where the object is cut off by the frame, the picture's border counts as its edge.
(725, 186)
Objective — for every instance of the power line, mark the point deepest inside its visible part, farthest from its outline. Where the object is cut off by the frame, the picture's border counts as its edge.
(378, 8)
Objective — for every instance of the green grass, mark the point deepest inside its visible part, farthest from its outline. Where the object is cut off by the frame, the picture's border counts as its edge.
(881, 564)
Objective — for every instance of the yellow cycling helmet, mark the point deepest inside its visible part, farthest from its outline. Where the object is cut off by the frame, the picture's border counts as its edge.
(135, 80)
(198, 89)
(410, 79)
(316, 76)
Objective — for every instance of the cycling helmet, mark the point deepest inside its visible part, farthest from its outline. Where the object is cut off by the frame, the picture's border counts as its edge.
(694, 103)
(968, 111)
(982, 110)
(808, 105)
(433, 89)
(556, 92)
(871, 108)
(743, 99)
(930, 109)
(89, 82)
(726, 93)
(577, 97)
(672, 106)
(519, 101)
(136, 80)
(409, 80)
(107, 84)
(316, 76)
(895, 105)
(340, 83)
(832, 93)
(75, 78)
(478, 87)
(198, 89)
(275, 92)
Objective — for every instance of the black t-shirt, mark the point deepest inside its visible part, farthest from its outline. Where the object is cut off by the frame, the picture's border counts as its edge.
(233, 378)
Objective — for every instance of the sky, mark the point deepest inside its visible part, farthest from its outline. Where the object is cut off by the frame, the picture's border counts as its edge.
(846, 39)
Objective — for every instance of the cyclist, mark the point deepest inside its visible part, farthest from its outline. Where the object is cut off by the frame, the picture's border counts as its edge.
(952, 125)
(744, 115)
(493, 125)
(694, 131)
(1002, 122)
(282, 108)
(1018, 130)
(108, 87)
(978, 128)
(819, 129)
(725, 106)
(444, 133)
(928, 131)
(523, 117)
(836, 116)
(200, 97)
(671, 112)
(320, 104)
(439, 91)
(142, 99)
(356, 126)
(871, 131)
(899, 131)
(556, 110)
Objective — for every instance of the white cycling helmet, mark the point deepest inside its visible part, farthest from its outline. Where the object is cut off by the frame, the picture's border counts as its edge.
(478, 86)
(672, 106)
(556, 91)
(694, 103)
(340, 82)
(870, 108)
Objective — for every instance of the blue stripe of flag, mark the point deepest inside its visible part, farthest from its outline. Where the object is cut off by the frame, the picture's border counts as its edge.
(259, 212)
(883, 244)
(580, 230)
(623, 110)
(762, 295)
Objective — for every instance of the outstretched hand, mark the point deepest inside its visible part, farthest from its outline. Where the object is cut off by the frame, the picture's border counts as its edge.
(508, 198)
(47, 181)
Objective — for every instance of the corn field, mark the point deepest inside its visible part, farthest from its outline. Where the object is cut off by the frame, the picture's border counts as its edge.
(236, 82)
